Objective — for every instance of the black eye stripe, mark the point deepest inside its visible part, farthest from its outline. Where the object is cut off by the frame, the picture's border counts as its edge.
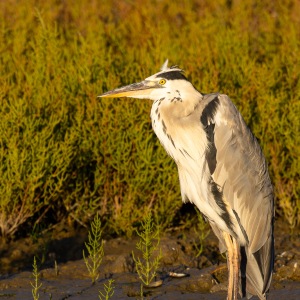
(171, 75)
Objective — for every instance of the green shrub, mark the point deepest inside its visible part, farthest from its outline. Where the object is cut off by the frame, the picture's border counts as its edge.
(66, 154)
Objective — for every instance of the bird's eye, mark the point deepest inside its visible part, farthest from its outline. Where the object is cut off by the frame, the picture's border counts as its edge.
(162, 81)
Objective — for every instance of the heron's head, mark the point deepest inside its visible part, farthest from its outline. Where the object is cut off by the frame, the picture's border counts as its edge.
(167, 81)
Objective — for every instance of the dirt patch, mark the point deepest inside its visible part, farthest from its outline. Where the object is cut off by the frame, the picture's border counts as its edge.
(206, 276)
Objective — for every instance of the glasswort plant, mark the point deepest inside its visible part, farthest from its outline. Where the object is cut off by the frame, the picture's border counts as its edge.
(108, 290)
(36, 285)
(148, 243)
(94, 248)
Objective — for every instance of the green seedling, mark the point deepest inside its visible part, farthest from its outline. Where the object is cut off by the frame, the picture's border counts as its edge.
(94, 248)
(36, 285)
(56, 268)
(108, 290)
(148, 244)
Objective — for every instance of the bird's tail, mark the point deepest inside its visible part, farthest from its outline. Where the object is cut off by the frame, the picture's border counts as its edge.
(257, 269)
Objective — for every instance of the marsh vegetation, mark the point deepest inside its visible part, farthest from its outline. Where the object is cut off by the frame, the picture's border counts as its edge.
(66, 156)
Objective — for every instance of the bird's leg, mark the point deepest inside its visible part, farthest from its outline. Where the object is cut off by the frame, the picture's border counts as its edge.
(233, 266)
(236, 268)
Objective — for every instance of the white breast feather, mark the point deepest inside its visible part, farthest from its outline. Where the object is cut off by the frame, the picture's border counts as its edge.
(189, 154)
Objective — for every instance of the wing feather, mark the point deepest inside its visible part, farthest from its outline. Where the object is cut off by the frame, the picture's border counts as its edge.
(242, 171)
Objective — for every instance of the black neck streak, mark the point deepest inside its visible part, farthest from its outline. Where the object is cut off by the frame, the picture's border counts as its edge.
(178, 98)
(164, 128)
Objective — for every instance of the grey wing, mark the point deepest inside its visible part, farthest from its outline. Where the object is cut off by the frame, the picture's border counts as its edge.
(241, 171)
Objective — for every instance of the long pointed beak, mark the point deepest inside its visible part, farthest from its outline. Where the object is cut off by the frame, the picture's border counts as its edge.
(135, 90)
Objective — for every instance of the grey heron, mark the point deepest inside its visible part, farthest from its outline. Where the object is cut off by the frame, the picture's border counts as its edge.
(221, 168)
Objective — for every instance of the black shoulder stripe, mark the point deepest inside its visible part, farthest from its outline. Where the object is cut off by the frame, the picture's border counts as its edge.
(209, 111)
(211, 151)
(207, 119)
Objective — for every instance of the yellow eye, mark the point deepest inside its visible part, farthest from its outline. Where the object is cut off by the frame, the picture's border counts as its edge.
(162, 81)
